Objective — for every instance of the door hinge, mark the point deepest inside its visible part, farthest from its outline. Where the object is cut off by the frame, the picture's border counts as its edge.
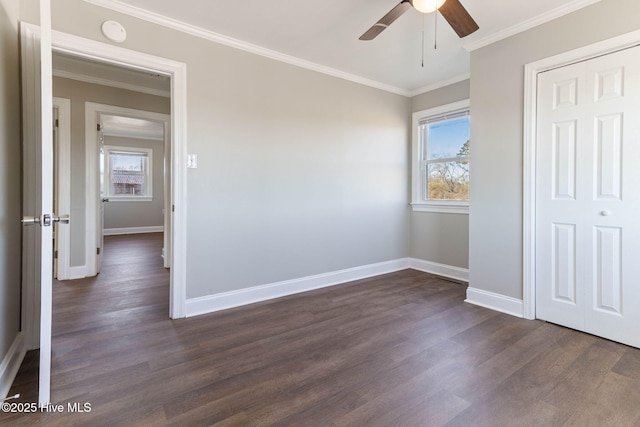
(57, 123)
(55, 255)
(99, 127)
(97, 251)
(173, 208)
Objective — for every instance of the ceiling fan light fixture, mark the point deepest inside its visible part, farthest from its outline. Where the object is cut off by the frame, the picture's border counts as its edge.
(427, 6)
(453, 12)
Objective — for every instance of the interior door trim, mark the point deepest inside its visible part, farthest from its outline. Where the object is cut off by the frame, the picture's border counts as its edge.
(93, 227)
(531, 72)
(177, 71)
(64, 184)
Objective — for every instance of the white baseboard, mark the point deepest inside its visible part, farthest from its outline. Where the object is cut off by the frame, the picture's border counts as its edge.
(11, 363)
(78, 272)
(133, 230)
(502, 303)
(72, 273)
(444, 270)
(222, 301)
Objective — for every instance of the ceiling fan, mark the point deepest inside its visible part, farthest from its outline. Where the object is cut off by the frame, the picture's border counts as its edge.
(452, 10)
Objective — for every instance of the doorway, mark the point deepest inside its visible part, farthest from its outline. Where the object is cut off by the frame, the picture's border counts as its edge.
(119, 132)
(85, 83)
(116, 56)
(37, 245)
(134, 175)
(581, 192)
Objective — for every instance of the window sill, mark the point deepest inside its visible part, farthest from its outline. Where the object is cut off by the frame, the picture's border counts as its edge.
(129, 199)
(452, 207)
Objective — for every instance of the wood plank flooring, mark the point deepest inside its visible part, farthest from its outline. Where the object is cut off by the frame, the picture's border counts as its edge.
(401, 349)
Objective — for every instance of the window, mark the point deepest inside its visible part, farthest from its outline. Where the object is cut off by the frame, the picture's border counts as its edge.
(126, 173)
(441, 150)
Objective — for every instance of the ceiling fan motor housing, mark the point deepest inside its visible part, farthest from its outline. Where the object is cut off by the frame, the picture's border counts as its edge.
(426, 6)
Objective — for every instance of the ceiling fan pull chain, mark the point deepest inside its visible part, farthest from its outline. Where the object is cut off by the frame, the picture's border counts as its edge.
(423, 26)
(435, 35)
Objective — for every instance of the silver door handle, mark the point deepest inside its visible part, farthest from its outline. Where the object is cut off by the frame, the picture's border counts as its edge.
(63, 219)
(28, 220)
(48, 219)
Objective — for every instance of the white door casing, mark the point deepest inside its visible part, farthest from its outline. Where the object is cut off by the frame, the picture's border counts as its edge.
(77, 46)
(588, 196)
(94, 201)
(531, 72)
(38, 193)
(63, 171)
(95, 197)
(36, 45)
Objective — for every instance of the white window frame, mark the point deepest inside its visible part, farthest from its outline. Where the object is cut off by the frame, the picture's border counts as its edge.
(148, 196)
(419, 203)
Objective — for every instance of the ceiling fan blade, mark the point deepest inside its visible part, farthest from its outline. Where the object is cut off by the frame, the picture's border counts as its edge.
(458, 17)
(386, 20)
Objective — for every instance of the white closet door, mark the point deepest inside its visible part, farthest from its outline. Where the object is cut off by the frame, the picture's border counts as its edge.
(588, 196)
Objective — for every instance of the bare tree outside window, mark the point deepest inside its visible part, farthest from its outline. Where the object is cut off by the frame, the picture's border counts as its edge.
(449, 180)
(447, 150)
(441, 148)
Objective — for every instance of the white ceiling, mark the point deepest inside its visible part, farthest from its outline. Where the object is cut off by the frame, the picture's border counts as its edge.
(129, 127)
(325, 33)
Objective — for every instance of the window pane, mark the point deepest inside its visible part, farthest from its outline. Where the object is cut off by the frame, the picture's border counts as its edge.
(448, 180)
(128, 174)
(449, 138)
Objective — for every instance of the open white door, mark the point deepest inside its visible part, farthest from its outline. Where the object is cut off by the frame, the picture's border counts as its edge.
(38, 192)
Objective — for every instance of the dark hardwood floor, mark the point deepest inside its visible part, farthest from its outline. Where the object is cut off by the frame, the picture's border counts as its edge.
(401, 349)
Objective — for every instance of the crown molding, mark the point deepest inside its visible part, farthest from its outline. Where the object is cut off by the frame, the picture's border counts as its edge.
(529, 23)
(193, 30)
(110, 83)
(440, 84)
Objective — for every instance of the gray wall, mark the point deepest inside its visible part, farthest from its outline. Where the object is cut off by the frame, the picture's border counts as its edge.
(10, 176)
(441, 237)
(126, 214)
(497, 76)
(299, 173)
(441, 96)
(79, 93)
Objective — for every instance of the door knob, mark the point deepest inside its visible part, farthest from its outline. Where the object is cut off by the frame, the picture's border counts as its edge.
(28, 220)
(606, 213)
(48, 219)
(63, 219)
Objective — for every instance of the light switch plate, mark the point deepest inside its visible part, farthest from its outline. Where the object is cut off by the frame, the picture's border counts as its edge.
(192, 161)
